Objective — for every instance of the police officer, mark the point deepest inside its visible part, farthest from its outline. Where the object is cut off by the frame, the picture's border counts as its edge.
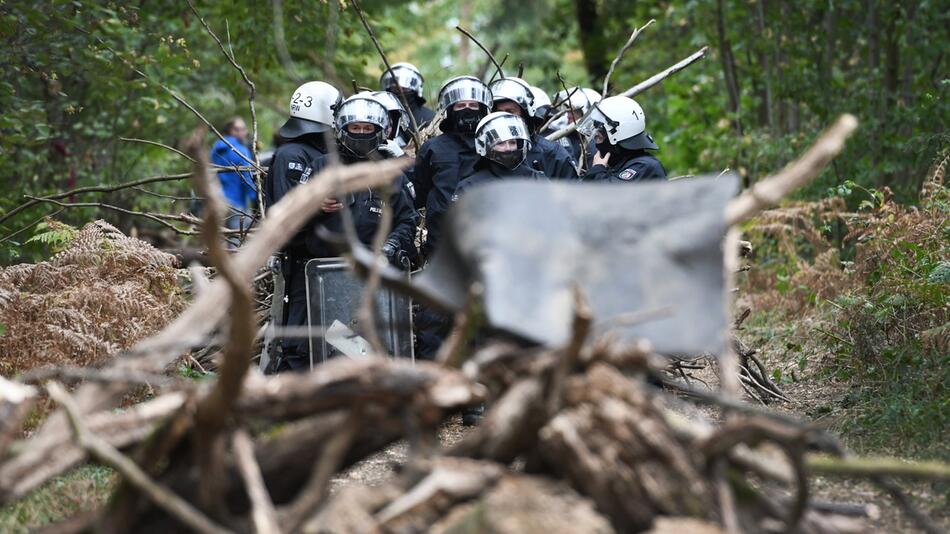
(514, 95)
(405, 78)
(398, 124)
(311, 117)
(576, 101)
(445, 159)
(440, 163)
(361, 123)
(618, 127)
(503, 142)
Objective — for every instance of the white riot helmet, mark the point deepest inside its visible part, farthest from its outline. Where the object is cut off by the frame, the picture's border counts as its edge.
(403, 75)
(621, 120)
(362, 109)
(311, 110)
(494, 131)
(464, 88)
(580, 98)
(516, 90)
(542, 103)
(398, 116)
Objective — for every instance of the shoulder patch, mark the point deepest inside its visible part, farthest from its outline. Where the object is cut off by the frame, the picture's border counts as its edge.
(295, 166)
(412, 189)
(305, 177)
(627, 175)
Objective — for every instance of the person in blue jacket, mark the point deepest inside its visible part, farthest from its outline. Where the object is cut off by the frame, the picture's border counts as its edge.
(238, 186)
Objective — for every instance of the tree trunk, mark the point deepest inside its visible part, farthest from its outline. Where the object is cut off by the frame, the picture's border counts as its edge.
(593, 40)
(728, 67)
(766, 63)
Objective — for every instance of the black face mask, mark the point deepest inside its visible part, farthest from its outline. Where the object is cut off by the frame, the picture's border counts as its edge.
(361, 145)
(466, 120)
(606, 148)
(508, 160)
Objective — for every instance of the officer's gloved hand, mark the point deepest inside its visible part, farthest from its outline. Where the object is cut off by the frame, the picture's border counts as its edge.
(391, 149)
(394, 254)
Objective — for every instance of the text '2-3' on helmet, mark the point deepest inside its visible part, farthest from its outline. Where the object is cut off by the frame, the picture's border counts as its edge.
(580, 98)
(311, 110)
(621, 120)
(402, 75)
(362, 111)
(464, 88)
(503, 138)
(398, 116)
(516, 90)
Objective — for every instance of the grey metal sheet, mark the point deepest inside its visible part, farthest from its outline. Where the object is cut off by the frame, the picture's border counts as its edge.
(631, 248)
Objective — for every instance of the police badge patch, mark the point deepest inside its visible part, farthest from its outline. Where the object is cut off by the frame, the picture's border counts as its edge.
(627, 175)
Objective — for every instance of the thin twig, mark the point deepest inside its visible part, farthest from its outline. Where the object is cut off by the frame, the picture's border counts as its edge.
(389, 68)
(252, 90)
(107, 454)
(158, 144)
(579, 331)
(502, 64)
(367, 311)
(623, 50)
(491, 57)
(263, 514)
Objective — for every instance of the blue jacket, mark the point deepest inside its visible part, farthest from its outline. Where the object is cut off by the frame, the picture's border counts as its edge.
(238, 186)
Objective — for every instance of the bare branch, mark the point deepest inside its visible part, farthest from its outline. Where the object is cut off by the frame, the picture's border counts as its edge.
(131, 472)
(871, 467)
(494, 61)
(262, 508)
(156, 143)
(389, 68)
(623, 50)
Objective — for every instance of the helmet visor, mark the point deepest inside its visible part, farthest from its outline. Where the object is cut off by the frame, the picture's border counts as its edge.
(464, 89)
(362, 110)
(503, 128)
(592, 121)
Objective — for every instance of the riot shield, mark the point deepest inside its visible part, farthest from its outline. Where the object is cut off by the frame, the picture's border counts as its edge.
(333, 300)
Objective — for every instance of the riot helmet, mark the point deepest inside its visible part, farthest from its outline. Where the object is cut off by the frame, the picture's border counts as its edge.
(503, 138)
(361, 123)
(403, 77)
(398, 116)
(577, 100)
(311, 110)
(619, 121)
(515, 90)
(542, 103)
(475, 96)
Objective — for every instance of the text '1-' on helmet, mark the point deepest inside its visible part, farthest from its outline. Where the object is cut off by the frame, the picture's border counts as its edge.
(312, 107)
(361, 123)
(503, 138)
(620, 120)
(402, 76)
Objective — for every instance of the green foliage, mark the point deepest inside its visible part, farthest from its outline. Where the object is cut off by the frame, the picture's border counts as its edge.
(54, 235)
(187, 371)
(82, 489)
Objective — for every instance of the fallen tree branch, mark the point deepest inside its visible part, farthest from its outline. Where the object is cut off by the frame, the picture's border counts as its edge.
(623, 50)
(131, 472)
(870, 467)
(640, 87)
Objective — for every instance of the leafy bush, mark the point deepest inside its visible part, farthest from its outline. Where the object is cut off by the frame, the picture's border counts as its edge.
(870, 292)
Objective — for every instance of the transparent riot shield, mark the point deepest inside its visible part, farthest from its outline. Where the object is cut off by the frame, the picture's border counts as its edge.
(334, 294)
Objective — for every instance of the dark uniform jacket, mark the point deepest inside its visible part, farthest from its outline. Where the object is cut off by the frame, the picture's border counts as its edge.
(555, 161)
(488, 171)
(295, 163)
(633, 166)
(441, 163)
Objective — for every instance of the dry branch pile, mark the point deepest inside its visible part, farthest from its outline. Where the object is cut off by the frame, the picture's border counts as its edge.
(100, 295)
